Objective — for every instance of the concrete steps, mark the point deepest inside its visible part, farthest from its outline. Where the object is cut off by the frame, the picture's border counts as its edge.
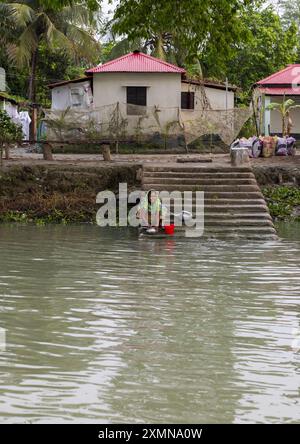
(217, 195)
(195, 169)
(235, 217)
(226, 204)
(199, 181)
(233, 203)
(197, 187)
(196, 174)
(233, 222)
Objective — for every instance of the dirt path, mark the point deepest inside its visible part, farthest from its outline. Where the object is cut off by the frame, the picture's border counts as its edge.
(21, 157)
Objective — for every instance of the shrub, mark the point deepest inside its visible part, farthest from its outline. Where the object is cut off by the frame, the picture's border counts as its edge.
(9, 132)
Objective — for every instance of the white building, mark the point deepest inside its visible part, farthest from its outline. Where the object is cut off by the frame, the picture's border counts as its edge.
(72, 94)
(9, 105)
(278, 87)
(142, 80)
(145, 95)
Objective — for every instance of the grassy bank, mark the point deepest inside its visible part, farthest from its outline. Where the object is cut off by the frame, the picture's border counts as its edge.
(283, 201)
(281, 188)
(58, 194)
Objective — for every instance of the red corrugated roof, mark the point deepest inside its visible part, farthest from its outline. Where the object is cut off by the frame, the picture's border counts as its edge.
(287, 76)
(136, 62)
(280, 91)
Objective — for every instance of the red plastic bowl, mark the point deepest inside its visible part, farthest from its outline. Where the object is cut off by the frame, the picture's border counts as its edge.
(169, 229)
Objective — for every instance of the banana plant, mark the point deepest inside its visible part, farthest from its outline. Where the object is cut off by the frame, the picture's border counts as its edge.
(284, 109)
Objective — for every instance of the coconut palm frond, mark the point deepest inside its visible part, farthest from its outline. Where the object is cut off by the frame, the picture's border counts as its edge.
(80, 15)
(58, 39)
(21, 13)
(34, 22)
(124, 46)
(21, 53)
(84, 44)
(159, 50)
(49, 28)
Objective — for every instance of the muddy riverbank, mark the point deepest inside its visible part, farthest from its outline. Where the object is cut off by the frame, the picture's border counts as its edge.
(58, 193)
(65, 191)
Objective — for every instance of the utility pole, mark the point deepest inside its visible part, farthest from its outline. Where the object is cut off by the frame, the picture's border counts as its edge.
(226, 97)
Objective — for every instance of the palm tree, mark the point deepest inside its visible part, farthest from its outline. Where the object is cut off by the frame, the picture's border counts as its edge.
(65, 25)
(284, 109)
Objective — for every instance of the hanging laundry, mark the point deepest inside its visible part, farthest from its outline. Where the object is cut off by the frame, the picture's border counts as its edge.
(25, 122)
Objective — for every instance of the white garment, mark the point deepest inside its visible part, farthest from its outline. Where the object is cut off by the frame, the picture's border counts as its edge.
(12, 110)
(25, 122)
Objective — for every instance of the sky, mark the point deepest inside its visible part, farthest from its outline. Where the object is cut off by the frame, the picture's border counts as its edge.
(107, 8)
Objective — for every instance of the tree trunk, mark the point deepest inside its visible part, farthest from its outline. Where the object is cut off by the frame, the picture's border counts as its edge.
(106, 153)
(1, 154)
(47, 151)
(32, 93)
(283, 126)
(32, 83)
(6, 150)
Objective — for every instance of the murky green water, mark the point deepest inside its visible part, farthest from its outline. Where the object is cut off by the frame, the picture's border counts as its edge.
(102, 327)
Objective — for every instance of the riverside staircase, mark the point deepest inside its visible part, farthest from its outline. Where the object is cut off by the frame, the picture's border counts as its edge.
(233, 203)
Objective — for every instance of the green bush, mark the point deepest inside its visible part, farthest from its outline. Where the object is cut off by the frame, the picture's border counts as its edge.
(282, 200)
(9, 131)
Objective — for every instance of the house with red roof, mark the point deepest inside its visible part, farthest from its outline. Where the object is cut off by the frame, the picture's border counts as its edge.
(137, 80)
(284, 84)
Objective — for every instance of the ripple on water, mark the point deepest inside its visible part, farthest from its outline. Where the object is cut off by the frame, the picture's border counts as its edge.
(102, 327)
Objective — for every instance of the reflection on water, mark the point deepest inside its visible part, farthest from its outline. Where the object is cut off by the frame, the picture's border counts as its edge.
(103, 327)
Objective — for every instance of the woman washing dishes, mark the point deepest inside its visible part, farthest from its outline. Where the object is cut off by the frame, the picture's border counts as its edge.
(151, 212)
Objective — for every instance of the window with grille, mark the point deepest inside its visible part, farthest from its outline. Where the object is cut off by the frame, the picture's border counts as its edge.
(76, 97)
(136, 95)
(187, 100)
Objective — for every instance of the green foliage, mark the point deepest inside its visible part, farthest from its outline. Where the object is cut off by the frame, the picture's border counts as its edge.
(52, 40)
(117, 48)
(54, 217)
(269, 47)
(248, 130)
(13, 216)
(31, 28)
(187, 29)
(9, 131)
(52, 66)
(290, 12)
(242, 40)
(282, 201)
(93, 5)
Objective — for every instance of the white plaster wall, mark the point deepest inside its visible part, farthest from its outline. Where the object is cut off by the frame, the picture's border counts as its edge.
(216, 97)
(11, 109)
(163, 91)
(61, 95)
(276, 121)
(163, 88)
(61, 98)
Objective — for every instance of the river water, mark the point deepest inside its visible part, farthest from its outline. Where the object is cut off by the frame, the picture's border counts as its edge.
(103, 327)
